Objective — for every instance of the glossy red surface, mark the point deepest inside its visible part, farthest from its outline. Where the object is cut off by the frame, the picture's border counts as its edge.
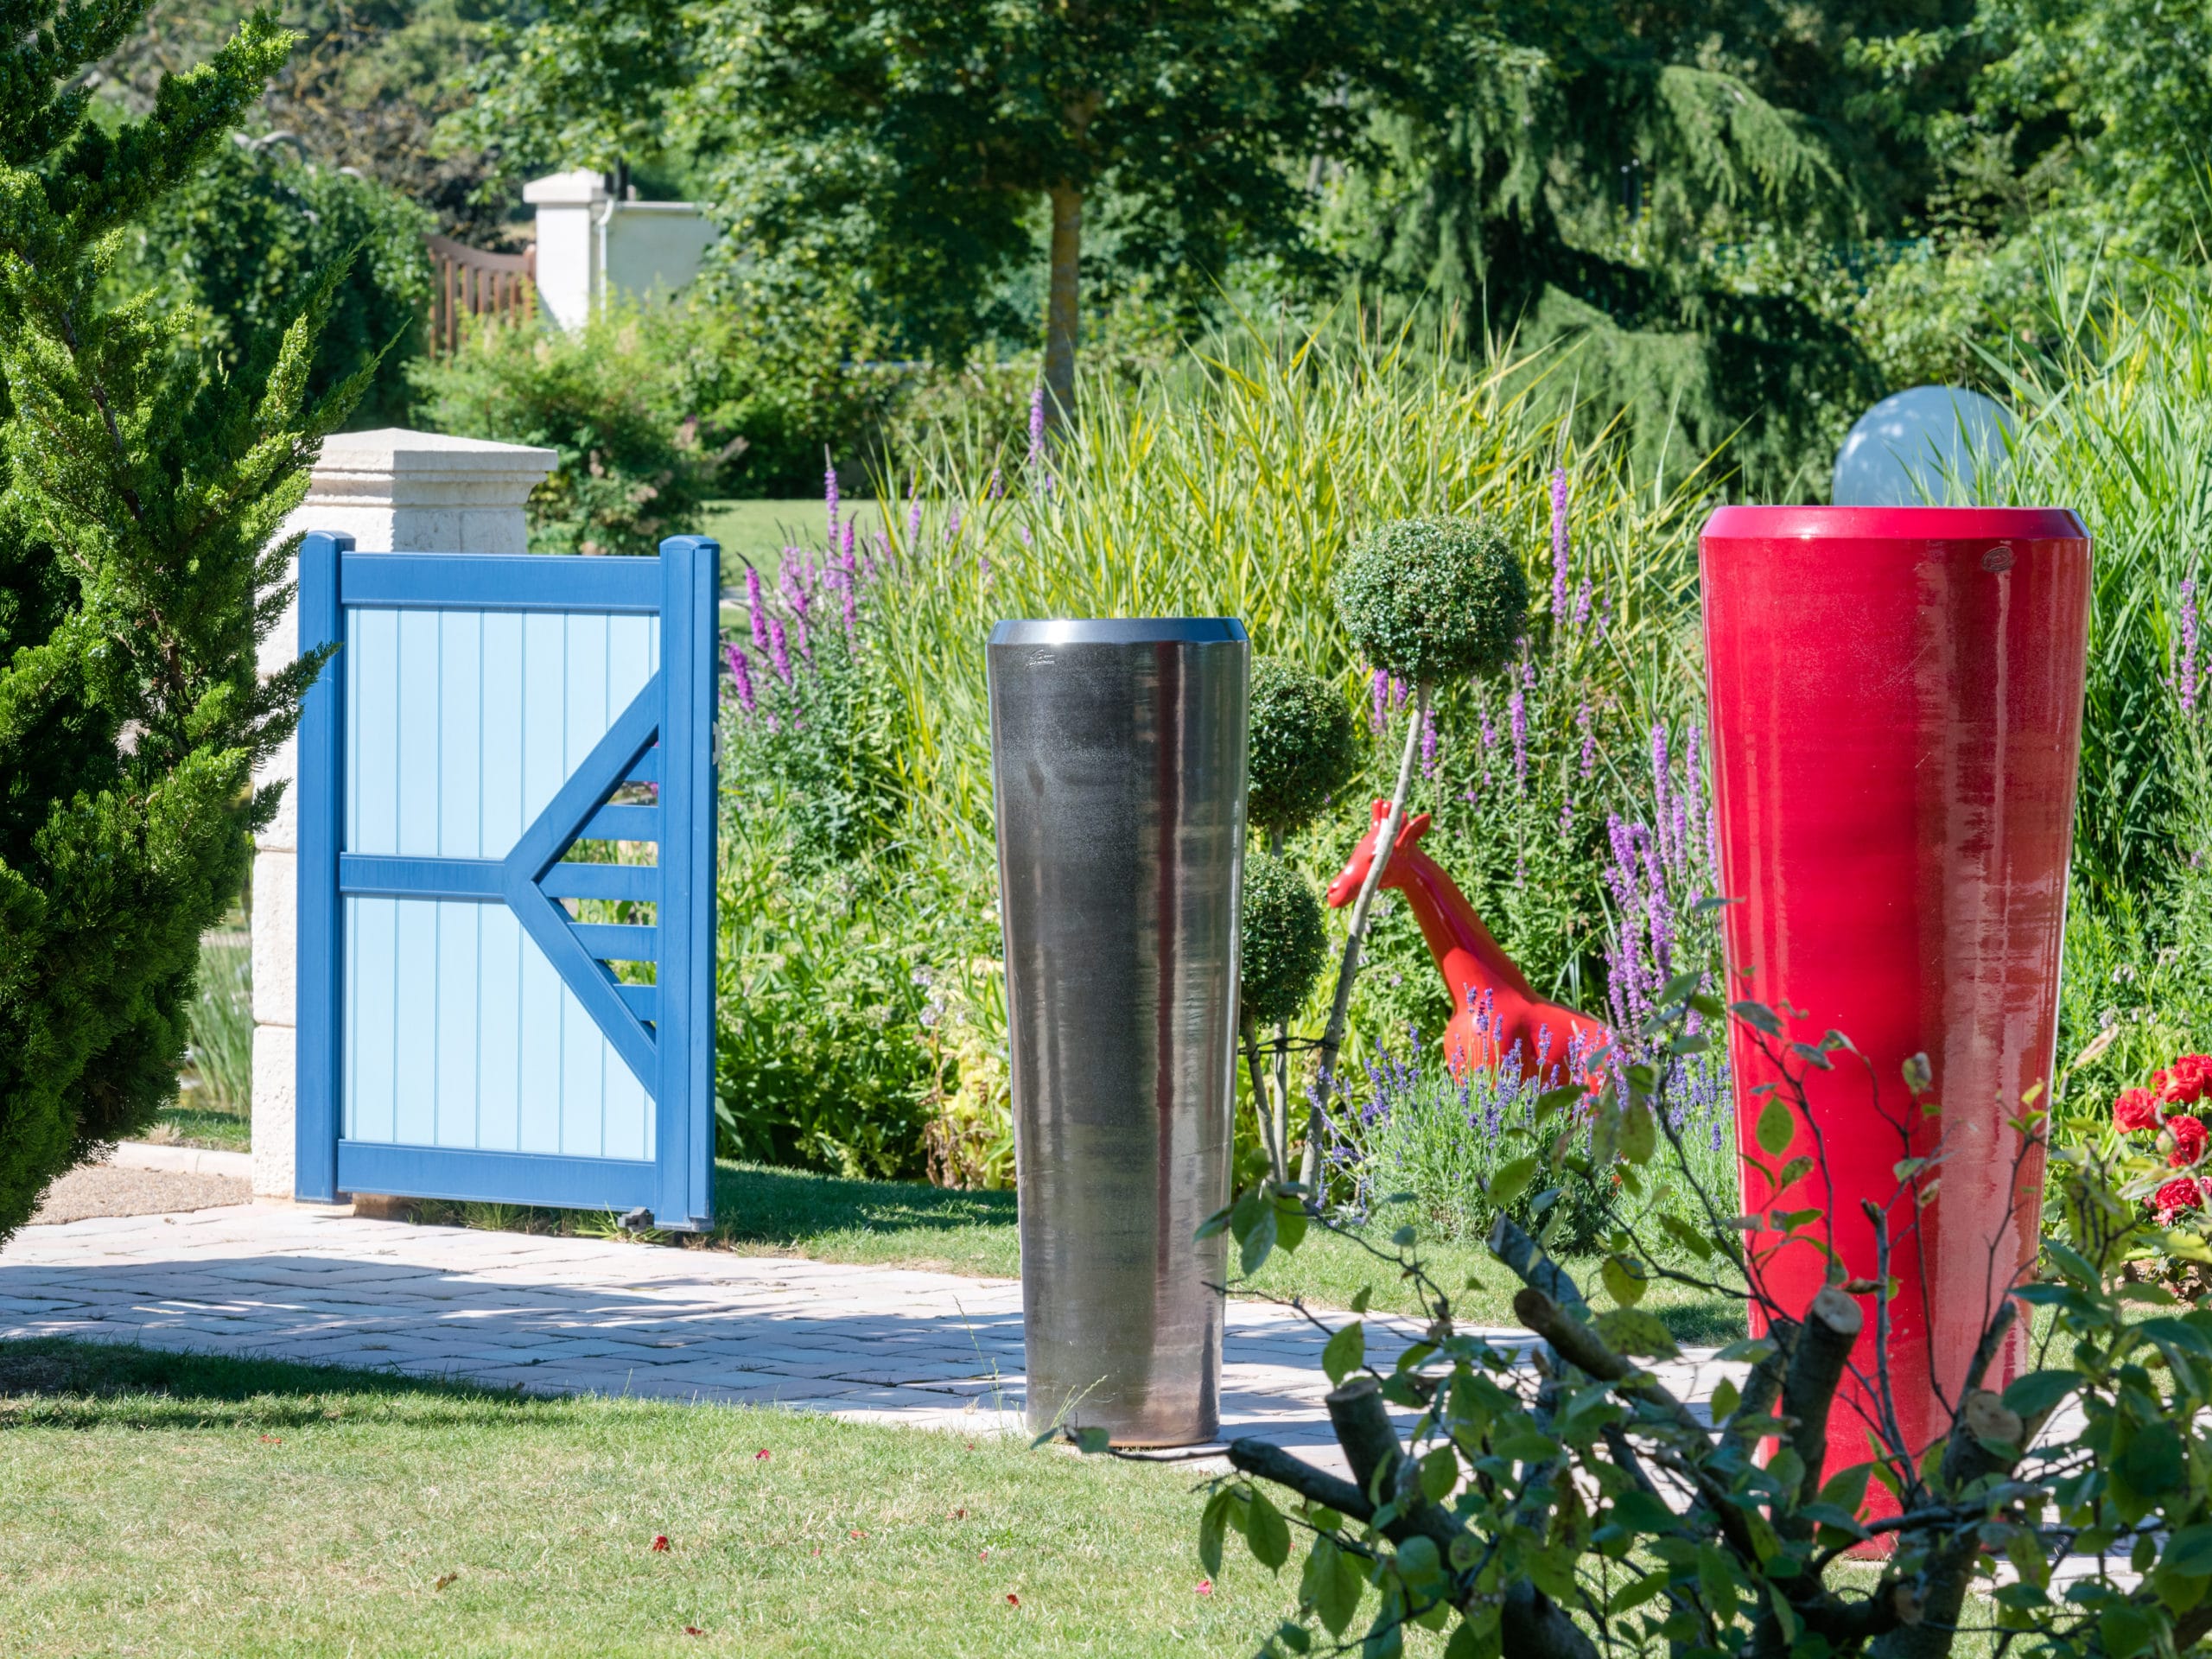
(1895, 701)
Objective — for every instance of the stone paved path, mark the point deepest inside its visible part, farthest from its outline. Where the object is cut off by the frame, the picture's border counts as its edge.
(560, 1315)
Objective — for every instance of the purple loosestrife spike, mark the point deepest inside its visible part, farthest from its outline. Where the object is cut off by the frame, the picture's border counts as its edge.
(806, 650)
(2186, 668)
(1694, 791)
(779, 655)
(1582, 603)
(1490, 732)
(1037, 424)
(1025, 535)
(1516, 706)
(997, 486)
(741, 674)
(1428, 743)
(829, 501)
(1381, 716)
(952, 524)
(1659, 783)
(913, 520)
(1559, 542)
(848, 538)
(1589, 743)
(760, 610)
(1400, 690)
(852, 610)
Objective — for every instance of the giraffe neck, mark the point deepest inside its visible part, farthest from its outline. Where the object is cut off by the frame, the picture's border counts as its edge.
(1469, 960)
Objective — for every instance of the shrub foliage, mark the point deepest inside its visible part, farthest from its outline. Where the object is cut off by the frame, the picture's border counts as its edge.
(1434, 598)
(1302, 749)
(143, 488)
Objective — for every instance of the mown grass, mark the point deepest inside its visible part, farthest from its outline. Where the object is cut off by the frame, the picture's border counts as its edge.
(760, 530)
(768, 1211)
(180, 1504)
(188, 1124)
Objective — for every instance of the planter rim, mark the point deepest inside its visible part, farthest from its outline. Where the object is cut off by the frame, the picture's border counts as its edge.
(1893, 524)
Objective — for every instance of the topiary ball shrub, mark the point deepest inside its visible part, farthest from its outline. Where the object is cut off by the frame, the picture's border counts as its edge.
(1432, 599)
(1303, 749)
(1284, 940)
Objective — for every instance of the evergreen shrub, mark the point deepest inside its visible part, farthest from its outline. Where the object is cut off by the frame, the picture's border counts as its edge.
(1434, 598)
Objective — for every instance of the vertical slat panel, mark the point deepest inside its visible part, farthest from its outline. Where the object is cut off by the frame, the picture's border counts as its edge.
(588, 714)
(629, 661)
(538, 1075)
(372, 762)
(627, 1111)
(370, 1027)
(500, 775)
(415, 1030)
(499, 1001)
(545, 713)
(459, 1023)
(461, 718)
(583, 1072)
(349, 1020)
(418, 733)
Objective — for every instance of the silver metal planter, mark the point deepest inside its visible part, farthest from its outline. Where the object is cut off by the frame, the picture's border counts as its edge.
(1118, 764)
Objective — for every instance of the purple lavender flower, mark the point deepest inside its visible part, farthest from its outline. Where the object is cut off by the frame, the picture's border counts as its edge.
(1517, 708)
(1559, 542)
(741, 674)
(2185, 669)
(779, 655)
(1428, 743)
(759, 611)
(1037, 424)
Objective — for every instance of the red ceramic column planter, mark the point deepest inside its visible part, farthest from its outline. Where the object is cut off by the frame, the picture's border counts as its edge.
(1896, 713)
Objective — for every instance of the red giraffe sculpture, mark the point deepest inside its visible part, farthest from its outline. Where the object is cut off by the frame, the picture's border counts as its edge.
(1496, 1006)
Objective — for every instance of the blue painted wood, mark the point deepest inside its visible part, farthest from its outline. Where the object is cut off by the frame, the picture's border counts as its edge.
(316, 1077)
(483, 712)
(495, 1177)
(639, 883)
(500, 582)
(419, 878)
(690, 570)
(622, 823)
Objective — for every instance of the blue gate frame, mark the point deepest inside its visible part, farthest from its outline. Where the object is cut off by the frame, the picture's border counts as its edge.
(663, 1032)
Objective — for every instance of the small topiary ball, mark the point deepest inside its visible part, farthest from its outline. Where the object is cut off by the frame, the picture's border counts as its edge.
(1431, 599)
(1284, 940)
(1303, 746)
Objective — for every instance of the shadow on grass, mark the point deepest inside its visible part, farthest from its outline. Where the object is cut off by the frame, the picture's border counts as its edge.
(55, 1383)
(758, 1205)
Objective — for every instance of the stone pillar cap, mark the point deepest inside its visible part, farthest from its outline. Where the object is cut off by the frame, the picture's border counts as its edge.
(395, 449)
(579, 187)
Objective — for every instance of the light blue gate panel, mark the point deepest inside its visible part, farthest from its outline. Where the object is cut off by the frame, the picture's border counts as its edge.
(459, 1033)
(463, 724)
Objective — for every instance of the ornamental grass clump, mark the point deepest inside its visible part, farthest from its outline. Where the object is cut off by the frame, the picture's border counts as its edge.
(1284, 941)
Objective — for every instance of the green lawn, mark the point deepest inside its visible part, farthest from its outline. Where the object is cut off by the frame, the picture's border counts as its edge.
(897, 1223)
(760, 530)
(184, 1125)
(186, 1505)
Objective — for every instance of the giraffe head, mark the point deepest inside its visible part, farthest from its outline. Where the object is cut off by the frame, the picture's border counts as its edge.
(1347, 886)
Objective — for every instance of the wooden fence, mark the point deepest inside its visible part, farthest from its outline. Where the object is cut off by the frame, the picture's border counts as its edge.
(472, 282)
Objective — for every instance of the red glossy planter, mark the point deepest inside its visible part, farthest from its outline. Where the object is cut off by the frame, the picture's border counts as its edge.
(1895, 701)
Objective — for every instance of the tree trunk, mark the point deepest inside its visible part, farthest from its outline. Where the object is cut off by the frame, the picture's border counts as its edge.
(1060, 306)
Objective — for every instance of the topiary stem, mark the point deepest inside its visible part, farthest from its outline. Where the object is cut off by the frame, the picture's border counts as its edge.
(1279, 1106)
(1332, 1039)
(1263, 1109)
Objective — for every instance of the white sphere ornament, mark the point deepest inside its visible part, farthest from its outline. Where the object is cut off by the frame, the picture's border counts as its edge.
(1928, 445)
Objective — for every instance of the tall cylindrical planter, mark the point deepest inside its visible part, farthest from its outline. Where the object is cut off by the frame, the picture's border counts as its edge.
(1895, 701)
(1117, 752)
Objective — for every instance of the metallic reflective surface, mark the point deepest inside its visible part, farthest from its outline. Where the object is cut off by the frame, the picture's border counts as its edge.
(1118, 765)
(1896, 708)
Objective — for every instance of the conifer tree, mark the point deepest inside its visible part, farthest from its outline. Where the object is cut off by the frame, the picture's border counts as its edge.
(141, 489)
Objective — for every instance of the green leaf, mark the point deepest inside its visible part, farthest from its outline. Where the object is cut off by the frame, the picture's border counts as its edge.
(1255, 1243)
(1213, 1522)
(1625, 1280)
(1092, 1441)
(1333, 1584)
(1267, 1531)
(1846, 1488)
(2190, 1550)
(1633, 1331)
(1679, 1230)
(1512, 1180)
(1344, 1353)
(1361, 1297)
(1639, 1134)
(2038, 1391)
(1777, 1128)
(1757, 1016)
(1419, 1563)
(1440, 1473)
(1640, 1588)
(1290, 1224)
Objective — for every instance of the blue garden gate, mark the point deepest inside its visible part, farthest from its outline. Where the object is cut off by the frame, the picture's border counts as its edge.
(460, 1033)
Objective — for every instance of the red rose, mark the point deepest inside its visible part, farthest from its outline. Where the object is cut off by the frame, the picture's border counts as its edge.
(2184, 1082)
(2188, 1140)
(2136, 1110)
(2174, 1198)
